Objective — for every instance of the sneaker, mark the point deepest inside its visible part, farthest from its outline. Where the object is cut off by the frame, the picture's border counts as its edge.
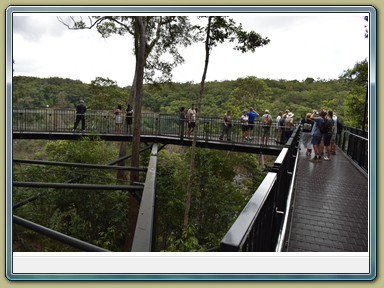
(326, 158)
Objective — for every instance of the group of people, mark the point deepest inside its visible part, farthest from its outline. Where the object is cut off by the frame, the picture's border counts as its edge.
(247, 121)
(190, 117)
(319, 132)
(248, 125)
(319, 128)
(284, 126)
(118, 116)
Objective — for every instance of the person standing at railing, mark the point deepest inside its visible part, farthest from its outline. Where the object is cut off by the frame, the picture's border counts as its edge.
(244, 125)
(317, 135)
(191, 118)
(279, 128)
(327, 134)
(182, 118)
(227, 126)
(306, 138)
(80, 115)
(334, 133)
(129, 118)
(251, 121)
(266, 127)
(288, 126)
(117, 116)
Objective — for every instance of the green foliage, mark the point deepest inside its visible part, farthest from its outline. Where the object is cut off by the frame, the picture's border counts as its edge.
(186, 242)
(223, 182)
(98, 217)
(31, 92)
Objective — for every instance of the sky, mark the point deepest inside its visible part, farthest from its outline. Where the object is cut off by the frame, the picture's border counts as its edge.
(317, 45)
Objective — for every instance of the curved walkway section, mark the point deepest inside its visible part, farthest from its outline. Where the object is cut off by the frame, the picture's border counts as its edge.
(330, 210)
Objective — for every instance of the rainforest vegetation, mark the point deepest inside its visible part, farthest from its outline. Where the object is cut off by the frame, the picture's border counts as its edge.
(223, 181)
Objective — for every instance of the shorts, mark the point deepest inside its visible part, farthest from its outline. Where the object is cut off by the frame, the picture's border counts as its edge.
(191, 124)
(266, 131)
(251, 124)
(316, 140)
(327, 139)
(244, 128)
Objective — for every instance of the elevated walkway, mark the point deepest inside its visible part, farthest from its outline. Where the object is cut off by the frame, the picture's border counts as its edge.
(330, 209)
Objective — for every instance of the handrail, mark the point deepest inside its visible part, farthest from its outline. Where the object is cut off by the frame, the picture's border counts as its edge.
(101, 122)
(259, 226)
(142, 241)
(280, 241)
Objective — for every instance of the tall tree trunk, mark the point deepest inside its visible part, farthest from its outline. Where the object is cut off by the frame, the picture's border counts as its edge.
(121, 174)
(193, 148)
(137, 104)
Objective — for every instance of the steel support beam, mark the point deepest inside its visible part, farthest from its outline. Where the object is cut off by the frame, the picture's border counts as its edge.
(82, 165)
(142, 241)
(57, 235)
(76, 186)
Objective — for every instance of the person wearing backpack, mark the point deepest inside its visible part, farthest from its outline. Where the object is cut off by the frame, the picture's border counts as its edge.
(267, 119)
(306, 138)
(279, 128)
(288, 126)
(317, 134)
(327, 130)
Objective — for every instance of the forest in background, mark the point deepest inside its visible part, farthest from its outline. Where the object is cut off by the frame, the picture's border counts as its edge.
(224, 181)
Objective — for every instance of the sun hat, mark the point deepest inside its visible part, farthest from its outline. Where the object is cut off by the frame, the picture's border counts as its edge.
(290, 114)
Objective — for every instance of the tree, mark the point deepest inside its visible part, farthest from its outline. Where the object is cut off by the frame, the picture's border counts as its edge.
(153, 37)
(355, 103)
(218, 30)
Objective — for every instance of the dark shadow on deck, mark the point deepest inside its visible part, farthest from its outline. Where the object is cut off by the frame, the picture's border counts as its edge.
(330, 209)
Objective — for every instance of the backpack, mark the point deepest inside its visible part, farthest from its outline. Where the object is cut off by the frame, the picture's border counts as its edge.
(268, 120)
(307, 127)
(282, 120)
(325, 127)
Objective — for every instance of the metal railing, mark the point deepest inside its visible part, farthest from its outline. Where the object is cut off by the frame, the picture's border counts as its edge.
(354, 143)
(103, 122)
(261, 225)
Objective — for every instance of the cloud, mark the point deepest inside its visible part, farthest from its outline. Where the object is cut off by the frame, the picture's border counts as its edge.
(33, 28)
(315, 45)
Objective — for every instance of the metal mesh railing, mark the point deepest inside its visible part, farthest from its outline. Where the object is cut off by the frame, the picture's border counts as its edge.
(103, 122)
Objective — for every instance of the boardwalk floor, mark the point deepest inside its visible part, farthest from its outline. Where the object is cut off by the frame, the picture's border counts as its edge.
(330, 212)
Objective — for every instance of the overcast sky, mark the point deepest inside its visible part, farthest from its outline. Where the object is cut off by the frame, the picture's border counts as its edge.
(316, 45)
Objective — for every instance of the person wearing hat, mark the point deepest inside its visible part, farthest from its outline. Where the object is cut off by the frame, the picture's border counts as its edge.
(266, 127)
(80, 115)
(288, 126)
